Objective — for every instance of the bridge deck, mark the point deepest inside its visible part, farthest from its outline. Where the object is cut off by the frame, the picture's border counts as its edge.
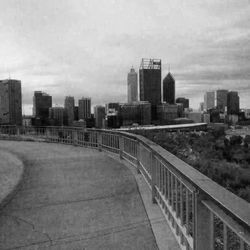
(73, 198)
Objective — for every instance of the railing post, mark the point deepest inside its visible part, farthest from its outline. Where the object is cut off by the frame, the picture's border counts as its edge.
(153, 180)
(99, 141)
(138, 157)
(75, 138)
(121, 145)
(204, 225)
(18, 131)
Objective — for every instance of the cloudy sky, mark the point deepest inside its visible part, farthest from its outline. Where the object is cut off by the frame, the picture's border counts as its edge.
(86, 47)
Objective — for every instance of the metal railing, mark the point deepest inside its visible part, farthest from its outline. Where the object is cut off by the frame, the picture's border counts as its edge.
(202, 214)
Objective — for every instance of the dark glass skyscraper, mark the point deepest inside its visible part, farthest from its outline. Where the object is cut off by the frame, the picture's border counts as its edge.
(169, 89)
(233, 103)
(41, 104)
(221, 99)
(150, 83)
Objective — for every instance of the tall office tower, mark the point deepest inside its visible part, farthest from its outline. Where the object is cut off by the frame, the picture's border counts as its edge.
(184, 101)
(41, 104)
(201, 108)
(209, 100)
(221, 99)
(233, 103)
(99, 114)
(132, 86)
(84, 108)
(56, 115)
(169, 89)
(10, 102)
(69, 105)
(150, 83)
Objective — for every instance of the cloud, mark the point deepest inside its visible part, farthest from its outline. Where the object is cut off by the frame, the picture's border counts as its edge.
(86, 48)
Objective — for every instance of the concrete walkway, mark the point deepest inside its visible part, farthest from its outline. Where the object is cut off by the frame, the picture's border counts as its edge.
(73, 198)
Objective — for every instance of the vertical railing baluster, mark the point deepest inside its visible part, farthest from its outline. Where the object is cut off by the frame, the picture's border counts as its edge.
(187, 211)
(224, 236)
(153, 176)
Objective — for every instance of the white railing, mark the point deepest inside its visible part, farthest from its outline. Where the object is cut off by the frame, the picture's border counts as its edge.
(202, 214)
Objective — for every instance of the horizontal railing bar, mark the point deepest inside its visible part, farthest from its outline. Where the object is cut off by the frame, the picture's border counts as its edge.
(234, 226)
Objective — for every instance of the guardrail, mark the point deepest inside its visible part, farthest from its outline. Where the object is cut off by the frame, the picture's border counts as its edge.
(202, 214)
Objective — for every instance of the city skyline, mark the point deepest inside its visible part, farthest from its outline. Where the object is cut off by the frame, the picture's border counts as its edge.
(86, 48)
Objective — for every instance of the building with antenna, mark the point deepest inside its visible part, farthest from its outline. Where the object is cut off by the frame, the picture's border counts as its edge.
(150, 83)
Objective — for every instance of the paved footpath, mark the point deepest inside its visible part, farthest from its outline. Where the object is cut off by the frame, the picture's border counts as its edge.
(73, 198)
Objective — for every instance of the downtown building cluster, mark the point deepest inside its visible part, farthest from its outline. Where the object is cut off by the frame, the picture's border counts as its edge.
(222, 105)
(150, 101)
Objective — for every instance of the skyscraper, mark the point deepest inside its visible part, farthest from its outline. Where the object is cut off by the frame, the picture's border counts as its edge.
(132, 86)
(41, 104)
(169, 89)
(221, 99)
(209, 100)
(233, 103)
(84, 108)
(150, 83)
(69, 105)
(10, 102)
(99, 114)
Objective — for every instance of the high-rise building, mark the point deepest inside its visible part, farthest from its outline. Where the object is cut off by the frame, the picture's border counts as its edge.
(221, 99)
(169, 89)
(99, 114)
(184, 101)
(69, 105)
(150, 83)
(56, 115)
(233, 103)
(10, 102)
(201, 108)
(209, 100)
(132, 86)
(84, 108)
(41, 104)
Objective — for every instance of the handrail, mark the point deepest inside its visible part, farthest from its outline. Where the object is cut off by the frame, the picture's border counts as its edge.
(201, 213)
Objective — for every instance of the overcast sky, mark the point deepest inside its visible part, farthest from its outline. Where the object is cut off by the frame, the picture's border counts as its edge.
(86, 47)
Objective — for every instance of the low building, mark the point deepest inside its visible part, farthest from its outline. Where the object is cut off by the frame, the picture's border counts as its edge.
(184, 101)
(195, 116)
(247, 113)
(27, 120)
(206, 118)
(57, 116)
(135, 112)
(166, 113)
